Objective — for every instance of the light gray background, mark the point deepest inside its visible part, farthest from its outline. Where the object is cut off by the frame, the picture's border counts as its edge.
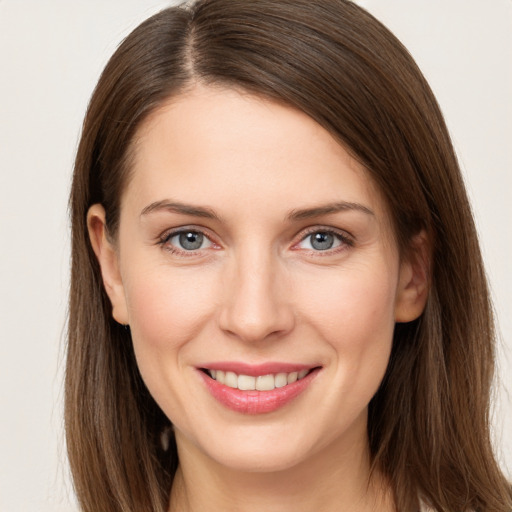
(51, 54)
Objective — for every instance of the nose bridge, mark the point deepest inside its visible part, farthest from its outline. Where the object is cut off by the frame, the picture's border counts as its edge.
(254, 306)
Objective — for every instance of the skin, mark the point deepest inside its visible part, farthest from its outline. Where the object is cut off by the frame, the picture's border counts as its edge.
(257, 291)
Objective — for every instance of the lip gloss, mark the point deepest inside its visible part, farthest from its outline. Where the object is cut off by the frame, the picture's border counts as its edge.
(253, 401)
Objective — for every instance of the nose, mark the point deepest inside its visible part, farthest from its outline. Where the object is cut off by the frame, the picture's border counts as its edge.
(257, 303)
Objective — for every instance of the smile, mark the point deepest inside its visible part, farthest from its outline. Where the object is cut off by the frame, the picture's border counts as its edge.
(269, 387)
(260, 383)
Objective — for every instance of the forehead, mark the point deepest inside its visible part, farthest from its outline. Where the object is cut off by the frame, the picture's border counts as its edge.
(230, 148)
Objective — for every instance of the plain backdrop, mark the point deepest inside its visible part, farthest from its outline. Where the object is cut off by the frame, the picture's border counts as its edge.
(51, 54)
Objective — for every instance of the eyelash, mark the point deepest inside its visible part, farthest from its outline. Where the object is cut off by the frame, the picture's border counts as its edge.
(168, 235)
(346, 240)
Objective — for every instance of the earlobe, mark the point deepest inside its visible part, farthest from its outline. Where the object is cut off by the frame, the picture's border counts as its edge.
(414, 280)
(108, 260)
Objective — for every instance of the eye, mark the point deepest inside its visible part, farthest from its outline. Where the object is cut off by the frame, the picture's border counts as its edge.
(323, 240)
(187, 240)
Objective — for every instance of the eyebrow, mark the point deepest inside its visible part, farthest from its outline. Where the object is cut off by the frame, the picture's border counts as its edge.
(184, 209)
(318, 211)
(294, 215)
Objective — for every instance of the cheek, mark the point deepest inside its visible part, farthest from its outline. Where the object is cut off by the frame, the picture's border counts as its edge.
(166, 308)
(349, 301)
(353, 312)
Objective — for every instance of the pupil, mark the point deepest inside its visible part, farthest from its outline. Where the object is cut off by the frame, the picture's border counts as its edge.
(322, 241)
(191, 241)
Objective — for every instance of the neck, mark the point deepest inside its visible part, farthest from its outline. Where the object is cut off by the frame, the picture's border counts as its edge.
(336, 479)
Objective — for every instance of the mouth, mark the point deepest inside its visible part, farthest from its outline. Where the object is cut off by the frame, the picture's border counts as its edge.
(257, 390)
(267, 382)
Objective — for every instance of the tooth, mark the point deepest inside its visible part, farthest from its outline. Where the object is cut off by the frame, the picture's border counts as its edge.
(231, 380)
(246, 383)
(302, 374)
(292, 377)
(265, 383)
(261, 383)
(220, 376)
(281, 379)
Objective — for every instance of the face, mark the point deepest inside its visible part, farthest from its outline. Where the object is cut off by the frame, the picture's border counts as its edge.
(256, 266)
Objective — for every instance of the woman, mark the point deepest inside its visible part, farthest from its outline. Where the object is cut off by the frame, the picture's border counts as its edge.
(277, 299)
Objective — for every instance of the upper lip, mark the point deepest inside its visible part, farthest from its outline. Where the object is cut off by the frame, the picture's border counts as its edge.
(256, 370)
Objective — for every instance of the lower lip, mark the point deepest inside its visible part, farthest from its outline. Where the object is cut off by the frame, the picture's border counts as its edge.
(257, 402)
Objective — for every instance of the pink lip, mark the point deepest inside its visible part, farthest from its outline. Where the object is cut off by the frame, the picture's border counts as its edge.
(257, 402)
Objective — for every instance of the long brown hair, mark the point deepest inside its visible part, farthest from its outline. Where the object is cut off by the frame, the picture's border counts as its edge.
(429, 422)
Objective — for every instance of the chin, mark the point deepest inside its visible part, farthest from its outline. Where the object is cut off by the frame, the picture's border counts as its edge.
(263, 448)
(260, 459)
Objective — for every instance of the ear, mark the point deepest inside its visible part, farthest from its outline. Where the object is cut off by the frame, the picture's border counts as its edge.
(414, 280)
(108, 260)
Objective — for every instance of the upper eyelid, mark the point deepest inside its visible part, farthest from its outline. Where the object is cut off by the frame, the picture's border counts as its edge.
(169, 233)
(324, 229)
